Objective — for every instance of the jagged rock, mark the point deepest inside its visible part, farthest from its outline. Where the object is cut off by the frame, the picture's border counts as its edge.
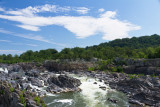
(33, 73)
(112, 100)
(141, 91)
(63, 83)
(36, 82)
(11, 97)
(95, 83)
(103, 87)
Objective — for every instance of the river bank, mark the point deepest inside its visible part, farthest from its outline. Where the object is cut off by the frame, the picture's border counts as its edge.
(140, 90)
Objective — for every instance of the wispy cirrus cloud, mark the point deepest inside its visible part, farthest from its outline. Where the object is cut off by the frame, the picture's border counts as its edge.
(101, 10)
(11, 51)
(5, 41)
(31, 11)
(82, 10)
(32, 37)
(33, 45)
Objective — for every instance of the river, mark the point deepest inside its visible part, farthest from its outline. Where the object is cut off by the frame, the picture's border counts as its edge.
(90, 96)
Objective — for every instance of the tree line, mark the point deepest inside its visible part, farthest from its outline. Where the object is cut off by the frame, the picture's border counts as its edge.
(135, 47)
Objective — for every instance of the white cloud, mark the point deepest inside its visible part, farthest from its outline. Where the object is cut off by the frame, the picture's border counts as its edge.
(82, 10)
(11, 51)
(1, 9)
(29, 27)
(81, 26)
(31, 11)
(5, 41)
(101, 10)
(34, 45)
(32, 37)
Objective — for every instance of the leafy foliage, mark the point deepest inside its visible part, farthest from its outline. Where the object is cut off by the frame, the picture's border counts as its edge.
(11, 89)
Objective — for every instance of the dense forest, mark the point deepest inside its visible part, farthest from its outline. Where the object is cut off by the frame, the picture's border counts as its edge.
(135, 47)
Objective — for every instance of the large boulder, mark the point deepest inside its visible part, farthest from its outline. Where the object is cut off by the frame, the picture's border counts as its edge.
(33, 73)
(63, 83)
(14, 68)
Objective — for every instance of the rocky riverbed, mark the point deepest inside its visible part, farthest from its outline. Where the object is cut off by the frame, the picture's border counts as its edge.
(141, 91)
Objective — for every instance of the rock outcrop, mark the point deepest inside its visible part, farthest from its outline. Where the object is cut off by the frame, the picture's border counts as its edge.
(141, 91)
(67, 66)
(14, 97)
(63, 83)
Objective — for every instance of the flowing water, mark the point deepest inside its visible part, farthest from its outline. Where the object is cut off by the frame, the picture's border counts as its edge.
(90, 96)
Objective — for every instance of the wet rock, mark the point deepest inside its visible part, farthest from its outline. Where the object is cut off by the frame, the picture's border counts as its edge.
(14, 68)
(112, 100)
(54, 89)
(103, 87)
(95, 83)
(41, 93)
(63, 83)
(36, 82)
(33, 73)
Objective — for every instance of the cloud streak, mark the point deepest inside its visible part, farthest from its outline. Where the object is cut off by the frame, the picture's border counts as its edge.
(31, 11)
(33, 45)
(5, 41)
(11, 51)
(32, 37)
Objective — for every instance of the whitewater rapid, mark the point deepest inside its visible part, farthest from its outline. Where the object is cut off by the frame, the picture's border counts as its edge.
(91, 95)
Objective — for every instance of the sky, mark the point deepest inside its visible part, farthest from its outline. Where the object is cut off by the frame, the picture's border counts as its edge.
(43, 24)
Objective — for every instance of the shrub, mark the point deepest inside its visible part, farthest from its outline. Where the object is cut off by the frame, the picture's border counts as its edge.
(91, 69)
(119, 69)
(37, 99)
(132, 76)
(30, 94)
(22, 99)
(38, 64)
(1, 91)
(11, 89)
(114, 69)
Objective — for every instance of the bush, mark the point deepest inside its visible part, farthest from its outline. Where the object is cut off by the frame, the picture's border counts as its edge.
(22, 99)
(132, 76)
(114, 69)
(91, 69)
(11, 89)
(37, 99)
(1, 91)
(119, 69)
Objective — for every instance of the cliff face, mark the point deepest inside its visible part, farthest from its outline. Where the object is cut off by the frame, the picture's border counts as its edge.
(142, 66)
(67, 66)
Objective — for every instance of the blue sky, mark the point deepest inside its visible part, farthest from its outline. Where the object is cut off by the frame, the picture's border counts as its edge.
(42, 24)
